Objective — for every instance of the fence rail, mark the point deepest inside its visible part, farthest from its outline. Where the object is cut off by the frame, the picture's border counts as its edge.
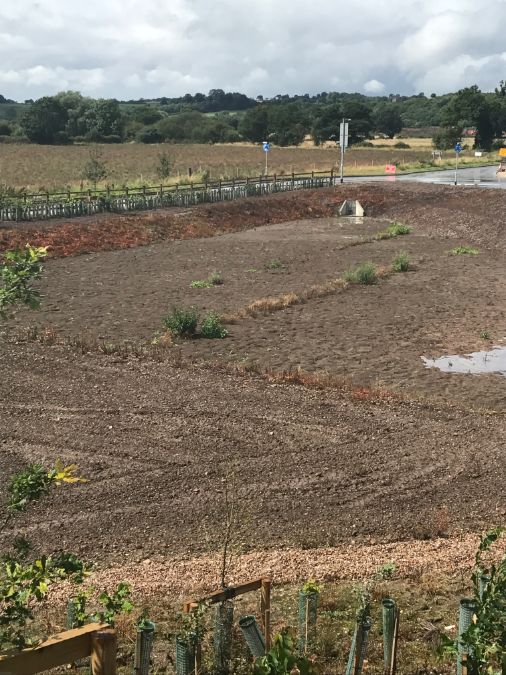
(44, 206)
(95, 640)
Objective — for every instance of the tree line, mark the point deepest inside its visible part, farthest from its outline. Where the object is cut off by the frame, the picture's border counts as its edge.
(219, 117)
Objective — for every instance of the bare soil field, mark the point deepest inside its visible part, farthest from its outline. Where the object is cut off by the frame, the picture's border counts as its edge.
(309, 466)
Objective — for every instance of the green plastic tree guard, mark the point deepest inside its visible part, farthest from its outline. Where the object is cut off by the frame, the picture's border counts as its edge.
(359, 643)
(224, 620)
(185, 657)
(252, 635)
(308, 613)
(483, 583)
(143, 647)
(388, 610)
(466, 611)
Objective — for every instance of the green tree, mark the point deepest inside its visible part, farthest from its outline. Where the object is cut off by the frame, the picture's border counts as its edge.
(387, 119)
(45, 121)
(254, 126)
(326, 123)
(287, 124)
(104, 119)
(360, 124)
(446, 137)
(470, 108)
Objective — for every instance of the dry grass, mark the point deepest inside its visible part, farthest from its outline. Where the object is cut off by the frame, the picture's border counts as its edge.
(39, 167)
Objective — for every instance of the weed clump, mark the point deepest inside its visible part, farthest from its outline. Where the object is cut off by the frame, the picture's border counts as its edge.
(182, 321)
(365, 274)
(211, 327)
(213, 279)
(401, 262)
(463, 250)
(393, 230)
(396, 229)
(273, 265)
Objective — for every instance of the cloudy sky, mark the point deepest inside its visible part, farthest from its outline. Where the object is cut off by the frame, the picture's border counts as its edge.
(149, 48)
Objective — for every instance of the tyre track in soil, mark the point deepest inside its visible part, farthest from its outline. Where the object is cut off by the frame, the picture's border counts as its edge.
(308, 467)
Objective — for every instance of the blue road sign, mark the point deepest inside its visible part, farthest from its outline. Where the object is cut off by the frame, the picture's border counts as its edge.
(266, 146)
(458, 148)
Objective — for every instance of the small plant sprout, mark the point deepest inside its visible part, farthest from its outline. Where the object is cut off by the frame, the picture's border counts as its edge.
(485, 335)
(273, 265)
(311, 587)
(401, 262)
(463, 250)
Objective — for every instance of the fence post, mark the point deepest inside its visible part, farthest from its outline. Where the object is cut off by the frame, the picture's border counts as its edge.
(265, 608)
(293, 180)
(103, 652)
(332, 176)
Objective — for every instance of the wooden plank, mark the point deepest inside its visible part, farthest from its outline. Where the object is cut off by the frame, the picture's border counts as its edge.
(57, 651)
(225, 594)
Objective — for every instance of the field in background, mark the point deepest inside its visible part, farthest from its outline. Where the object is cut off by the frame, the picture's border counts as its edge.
(40, 167)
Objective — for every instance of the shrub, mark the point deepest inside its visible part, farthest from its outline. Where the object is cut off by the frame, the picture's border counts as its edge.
(182, 321)
(211, 327)
(464, 250)
(401, 262)
(365, 273)
(401, 145)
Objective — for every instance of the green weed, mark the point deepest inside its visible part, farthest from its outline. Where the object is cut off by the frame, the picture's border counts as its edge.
(365, 273)
(211, 327)
(463, 250)
(213, 279)
(401, 262)
(273, 265)
(396, 229)
(485, 335)
(182, 321)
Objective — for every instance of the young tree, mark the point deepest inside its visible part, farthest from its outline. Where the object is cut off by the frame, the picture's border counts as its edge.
(19, 269)
(24, 583)
(95, 168)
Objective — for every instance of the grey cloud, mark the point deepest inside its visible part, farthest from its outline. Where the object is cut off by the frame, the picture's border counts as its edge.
(129, 49)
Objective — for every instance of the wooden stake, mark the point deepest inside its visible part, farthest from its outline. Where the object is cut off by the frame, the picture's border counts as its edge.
(393, 665)
(265, 607)
(103, 652)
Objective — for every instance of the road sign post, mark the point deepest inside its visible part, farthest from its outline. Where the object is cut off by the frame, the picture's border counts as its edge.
(266, 147)
(458, 150)
(343, 142)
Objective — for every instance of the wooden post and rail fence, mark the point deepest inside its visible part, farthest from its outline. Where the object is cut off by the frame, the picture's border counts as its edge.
(263, 584)
(68, 204)
(95, 640)
(98, 641)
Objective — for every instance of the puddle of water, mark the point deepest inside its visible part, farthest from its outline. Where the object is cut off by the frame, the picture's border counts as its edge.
(476, 363)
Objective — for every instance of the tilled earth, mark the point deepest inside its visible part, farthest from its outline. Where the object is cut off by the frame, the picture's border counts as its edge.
(165, 446)
(162, 446)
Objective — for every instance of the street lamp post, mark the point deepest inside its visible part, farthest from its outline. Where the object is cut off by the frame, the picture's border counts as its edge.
(343, 142)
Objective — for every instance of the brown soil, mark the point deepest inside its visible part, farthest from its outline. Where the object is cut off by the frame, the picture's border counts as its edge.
(307, 467)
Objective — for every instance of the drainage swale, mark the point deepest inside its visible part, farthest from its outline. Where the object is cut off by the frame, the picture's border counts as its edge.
(476, 363)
